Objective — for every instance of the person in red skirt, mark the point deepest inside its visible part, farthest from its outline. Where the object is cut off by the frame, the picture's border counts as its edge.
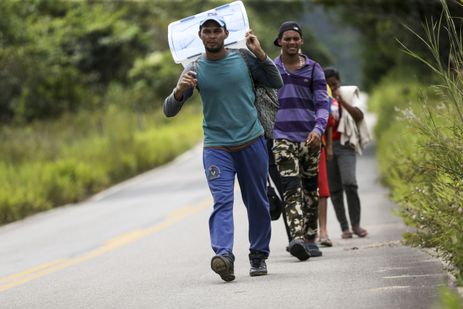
(324, 194)
(323, 187)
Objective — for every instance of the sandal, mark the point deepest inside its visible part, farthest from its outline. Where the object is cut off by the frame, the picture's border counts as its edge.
(326, 242)
(346, 234)
(360, 232)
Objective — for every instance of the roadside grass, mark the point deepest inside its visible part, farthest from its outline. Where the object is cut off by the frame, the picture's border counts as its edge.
(46, 165)
(449, 299)
(420, 148)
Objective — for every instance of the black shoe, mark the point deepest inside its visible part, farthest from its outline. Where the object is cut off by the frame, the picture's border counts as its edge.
(223, 266)
(258, 265)
(297, 249)
(313, 249)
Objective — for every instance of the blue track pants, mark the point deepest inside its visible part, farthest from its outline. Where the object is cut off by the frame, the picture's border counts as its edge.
(250, 165)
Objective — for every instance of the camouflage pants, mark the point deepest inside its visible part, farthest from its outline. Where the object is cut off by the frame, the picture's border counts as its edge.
(298, 168)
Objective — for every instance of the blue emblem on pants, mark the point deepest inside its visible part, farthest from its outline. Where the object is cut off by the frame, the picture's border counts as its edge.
(213, 172)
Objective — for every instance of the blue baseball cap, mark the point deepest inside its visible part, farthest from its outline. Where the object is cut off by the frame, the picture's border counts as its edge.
(215, 17)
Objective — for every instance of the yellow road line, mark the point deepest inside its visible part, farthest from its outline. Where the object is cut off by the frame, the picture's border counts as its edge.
(42, 270)
(29, 271)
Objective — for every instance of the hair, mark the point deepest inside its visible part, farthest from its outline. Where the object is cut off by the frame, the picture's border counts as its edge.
(332, 72)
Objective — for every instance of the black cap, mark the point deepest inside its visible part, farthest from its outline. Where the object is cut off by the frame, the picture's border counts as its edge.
(286, 26)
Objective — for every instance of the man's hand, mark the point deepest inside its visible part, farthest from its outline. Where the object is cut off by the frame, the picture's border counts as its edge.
(254, 45)
(188, 80)
(313, 139)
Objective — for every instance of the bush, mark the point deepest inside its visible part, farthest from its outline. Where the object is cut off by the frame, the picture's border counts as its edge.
(67, 160)
(450, 299)
(420, 150)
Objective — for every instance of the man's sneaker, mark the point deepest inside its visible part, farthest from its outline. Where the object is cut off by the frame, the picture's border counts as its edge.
(223, 266)
(313, 249)
(296, 248)
(258, 265)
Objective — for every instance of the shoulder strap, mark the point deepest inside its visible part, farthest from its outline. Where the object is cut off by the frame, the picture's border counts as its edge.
(194, 67)
(194, 64)
(243, 54)
(245, 58)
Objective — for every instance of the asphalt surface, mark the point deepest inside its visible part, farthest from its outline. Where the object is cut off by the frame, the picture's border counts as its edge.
(145, 244)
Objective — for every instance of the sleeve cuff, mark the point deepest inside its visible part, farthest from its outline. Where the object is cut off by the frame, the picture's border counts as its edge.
(318, 130)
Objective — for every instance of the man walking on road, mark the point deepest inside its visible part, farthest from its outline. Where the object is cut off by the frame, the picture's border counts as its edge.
(299, 125)
(233, 139)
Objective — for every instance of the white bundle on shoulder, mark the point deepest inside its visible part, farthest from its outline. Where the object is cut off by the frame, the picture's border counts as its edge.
(356, 134)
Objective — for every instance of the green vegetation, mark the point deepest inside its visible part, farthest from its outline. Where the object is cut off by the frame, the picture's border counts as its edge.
(45, 165)
(83, 82)
(420, 148)
(382, 21)
(417, 95)
(449, 299)
(82, 86)
(59, 57)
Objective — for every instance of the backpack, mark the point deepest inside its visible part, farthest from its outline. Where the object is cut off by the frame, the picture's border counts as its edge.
(266, 101)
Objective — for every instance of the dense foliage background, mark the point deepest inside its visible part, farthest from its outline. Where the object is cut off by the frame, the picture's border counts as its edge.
(82, 86)
(60, 57)
(82, 83)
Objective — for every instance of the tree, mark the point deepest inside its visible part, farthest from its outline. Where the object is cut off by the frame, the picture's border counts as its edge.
(383, 23)
(63, 56)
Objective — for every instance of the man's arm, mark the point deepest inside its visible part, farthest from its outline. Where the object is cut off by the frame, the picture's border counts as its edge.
(184, 89)
(262, 67)
(320, 98)
(321, 103)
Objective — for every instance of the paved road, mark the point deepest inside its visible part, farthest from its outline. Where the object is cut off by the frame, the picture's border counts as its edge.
(145, 244)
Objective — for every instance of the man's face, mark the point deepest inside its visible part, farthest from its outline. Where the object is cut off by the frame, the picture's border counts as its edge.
(333, 82)
(291, 41)
(213, 36)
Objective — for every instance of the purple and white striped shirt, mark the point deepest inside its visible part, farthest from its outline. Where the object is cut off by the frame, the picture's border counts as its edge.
(304, 103)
